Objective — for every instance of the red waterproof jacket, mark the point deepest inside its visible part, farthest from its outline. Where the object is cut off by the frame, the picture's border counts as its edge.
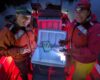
(85, 40)
(11, 44)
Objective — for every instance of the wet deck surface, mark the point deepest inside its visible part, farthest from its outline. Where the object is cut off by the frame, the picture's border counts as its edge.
(7, 67)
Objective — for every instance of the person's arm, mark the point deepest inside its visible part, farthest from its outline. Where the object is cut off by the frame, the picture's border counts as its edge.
(14, 51)
(9, 52)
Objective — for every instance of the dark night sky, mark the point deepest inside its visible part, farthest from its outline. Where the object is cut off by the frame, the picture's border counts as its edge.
(70, 7)
(65, 6)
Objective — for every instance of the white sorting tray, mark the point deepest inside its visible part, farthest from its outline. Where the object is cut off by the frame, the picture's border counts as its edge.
(49, 54)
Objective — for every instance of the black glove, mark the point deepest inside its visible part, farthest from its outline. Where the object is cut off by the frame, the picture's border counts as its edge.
(62, 42)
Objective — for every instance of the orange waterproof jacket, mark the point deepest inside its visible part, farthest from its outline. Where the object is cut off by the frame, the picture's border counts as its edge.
(10, 44)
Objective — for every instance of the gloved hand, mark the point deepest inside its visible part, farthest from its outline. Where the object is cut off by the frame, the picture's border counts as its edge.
(24, 50)
(63, 42)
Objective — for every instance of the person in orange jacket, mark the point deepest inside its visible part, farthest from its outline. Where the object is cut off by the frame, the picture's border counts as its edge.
(17, 40)
(83, 40)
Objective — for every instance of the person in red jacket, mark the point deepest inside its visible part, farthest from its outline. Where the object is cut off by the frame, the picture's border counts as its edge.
(17, 40)
(83, 40)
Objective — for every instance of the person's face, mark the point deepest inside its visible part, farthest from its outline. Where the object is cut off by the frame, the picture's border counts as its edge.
(81, 14)
(23, 20)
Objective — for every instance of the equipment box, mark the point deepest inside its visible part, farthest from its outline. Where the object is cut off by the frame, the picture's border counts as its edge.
(48, 51)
